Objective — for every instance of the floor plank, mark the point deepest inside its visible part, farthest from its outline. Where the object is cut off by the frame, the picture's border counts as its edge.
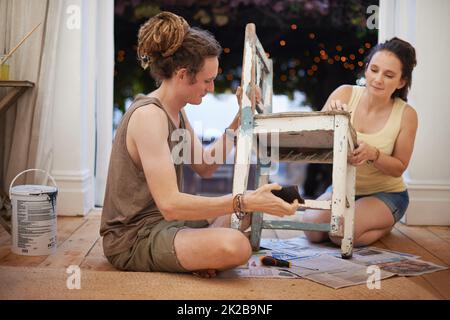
(441, 232)
(428, 240)
(94, 214)
(96, 260)
(66, 226)
(440, 281)
(419, 281)
(76, 247)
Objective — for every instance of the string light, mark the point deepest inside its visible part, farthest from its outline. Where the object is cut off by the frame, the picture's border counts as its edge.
(361, 50)
(314, 67)
(360, 63)
(352, 57)
(293, 26)
(312, 35)
(330, 61)
(226, 50)
(316, 59)
(367, 45)
(229, 77)
(283, 77)
(323, 55)
(343, 59)
(282, 43)
(120, 55)
(339, 48)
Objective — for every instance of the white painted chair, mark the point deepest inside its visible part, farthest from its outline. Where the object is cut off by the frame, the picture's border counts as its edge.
(311, 137)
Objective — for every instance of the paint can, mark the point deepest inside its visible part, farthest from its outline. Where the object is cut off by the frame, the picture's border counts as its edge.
(33, 220)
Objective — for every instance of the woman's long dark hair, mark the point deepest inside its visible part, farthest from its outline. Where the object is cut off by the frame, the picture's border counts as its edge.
(406, 53)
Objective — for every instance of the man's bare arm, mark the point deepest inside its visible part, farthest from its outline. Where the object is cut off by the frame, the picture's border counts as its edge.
(213, 156)
(148, 129)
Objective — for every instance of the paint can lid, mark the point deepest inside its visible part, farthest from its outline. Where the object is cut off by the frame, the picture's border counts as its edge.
(32, 189)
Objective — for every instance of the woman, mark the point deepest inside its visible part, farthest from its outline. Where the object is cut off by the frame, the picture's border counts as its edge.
(386, 129)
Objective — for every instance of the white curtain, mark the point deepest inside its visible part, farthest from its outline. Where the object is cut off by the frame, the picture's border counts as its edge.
(26, 128)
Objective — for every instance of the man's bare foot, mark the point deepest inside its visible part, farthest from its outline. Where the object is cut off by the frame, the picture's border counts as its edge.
(208, 273)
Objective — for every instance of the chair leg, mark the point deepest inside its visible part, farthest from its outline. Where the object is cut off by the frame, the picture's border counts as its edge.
(349, 216)
(241, 168)
(262, 177)
(338, 203)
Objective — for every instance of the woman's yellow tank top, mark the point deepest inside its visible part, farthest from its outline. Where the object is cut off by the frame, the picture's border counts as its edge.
(369, 179)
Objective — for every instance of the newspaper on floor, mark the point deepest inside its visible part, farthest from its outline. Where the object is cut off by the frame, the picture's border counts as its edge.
(336, 272)
(373, 256)
(298, 248)
(322, 263)
(410, 267)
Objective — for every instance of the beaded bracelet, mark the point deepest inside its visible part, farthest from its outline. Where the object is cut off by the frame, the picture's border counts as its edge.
(238, 205)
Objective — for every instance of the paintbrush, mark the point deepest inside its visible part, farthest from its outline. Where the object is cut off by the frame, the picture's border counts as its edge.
(20, 43)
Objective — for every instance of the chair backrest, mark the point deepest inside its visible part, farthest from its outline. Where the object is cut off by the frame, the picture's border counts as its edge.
(256, 71)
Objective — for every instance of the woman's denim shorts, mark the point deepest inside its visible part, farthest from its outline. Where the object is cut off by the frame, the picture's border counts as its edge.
(396, 201)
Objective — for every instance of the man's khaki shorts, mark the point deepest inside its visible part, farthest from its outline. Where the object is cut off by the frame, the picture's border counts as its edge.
(154, 248)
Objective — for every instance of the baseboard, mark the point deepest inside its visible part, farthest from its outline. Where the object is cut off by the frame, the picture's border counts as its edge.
(75, 192)
(429, 204)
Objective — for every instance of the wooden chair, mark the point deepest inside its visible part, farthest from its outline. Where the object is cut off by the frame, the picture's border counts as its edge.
(311, 137)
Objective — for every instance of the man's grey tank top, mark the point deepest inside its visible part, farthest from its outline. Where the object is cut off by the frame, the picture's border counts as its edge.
(128, 203)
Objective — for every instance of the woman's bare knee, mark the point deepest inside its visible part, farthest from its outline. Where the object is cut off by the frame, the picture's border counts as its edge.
(371, 236)
(316, 236)
(316, 216)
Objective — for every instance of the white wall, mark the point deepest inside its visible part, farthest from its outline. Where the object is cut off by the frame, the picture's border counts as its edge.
(425, 24)
(104, 94)
(83, 91)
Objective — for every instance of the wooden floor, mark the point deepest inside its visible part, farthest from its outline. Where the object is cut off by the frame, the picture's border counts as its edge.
(79, 244)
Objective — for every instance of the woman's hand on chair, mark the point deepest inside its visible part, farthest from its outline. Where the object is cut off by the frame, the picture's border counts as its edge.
(263, 200)
(256, 91)
(336, 105)
(363, 153)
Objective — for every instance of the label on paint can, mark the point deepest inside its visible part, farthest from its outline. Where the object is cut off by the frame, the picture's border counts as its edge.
(34, 220)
